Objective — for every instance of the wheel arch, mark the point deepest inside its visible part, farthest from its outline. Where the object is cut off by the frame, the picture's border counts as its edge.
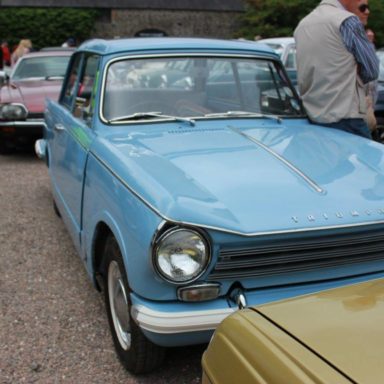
(105, 227)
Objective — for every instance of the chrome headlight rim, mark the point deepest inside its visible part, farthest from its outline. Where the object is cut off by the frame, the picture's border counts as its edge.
(170, 231)
(22, 108)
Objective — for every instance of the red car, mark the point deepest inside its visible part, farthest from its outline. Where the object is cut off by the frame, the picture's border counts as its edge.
(35, 77)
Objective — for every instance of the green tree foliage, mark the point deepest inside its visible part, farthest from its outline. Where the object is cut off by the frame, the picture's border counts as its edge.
(46, 27)
(275, 18)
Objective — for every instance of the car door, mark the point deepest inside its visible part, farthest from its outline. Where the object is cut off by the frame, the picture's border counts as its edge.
(69, 123)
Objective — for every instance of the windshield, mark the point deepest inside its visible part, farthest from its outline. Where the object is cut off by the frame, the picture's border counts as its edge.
(196, 87)
(46, 67)
(380, 55)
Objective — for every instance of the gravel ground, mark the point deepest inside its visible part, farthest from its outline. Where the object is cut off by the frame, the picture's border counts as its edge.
(53, 325)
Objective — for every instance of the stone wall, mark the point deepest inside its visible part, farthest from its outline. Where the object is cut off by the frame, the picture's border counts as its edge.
(126, 23)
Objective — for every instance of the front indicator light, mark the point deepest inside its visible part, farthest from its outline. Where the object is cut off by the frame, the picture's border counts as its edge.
(200, 292)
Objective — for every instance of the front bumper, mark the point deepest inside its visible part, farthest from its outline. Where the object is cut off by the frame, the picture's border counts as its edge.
(30, 128)
(178, 323)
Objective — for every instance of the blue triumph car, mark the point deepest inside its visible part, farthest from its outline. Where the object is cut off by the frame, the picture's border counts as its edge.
(192, 183)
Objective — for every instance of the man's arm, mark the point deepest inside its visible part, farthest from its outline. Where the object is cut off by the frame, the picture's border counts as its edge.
(355, 40)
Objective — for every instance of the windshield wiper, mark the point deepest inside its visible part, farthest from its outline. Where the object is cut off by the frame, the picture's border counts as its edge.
(146, 115)
(244, 114)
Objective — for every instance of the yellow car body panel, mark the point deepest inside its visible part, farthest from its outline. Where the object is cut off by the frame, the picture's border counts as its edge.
(334, 336)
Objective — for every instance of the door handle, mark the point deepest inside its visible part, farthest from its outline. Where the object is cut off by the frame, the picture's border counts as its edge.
(59, 127)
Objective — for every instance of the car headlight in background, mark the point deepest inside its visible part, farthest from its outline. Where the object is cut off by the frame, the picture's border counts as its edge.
(13, 112)
(181, 255)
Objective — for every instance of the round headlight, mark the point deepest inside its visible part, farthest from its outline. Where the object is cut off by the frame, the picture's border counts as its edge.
(181, 255)
(13, 112)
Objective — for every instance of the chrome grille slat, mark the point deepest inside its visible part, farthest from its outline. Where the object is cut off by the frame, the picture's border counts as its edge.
(300, 255)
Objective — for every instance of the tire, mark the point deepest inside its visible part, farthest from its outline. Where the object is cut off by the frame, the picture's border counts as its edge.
(136, 352)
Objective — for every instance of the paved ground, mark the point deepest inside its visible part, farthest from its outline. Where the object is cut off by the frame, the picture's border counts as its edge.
(53, 326)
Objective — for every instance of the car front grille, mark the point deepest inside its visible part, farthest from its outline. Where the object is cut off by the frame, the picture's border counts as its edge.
(282, 256)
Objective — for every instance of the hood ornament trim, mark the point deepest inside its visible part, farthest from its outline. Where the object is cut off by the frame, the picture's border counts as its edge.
(292, 167)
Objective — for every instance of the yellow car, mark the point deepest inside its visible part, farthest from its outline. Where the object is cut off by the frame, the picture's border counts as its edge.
(334, 336)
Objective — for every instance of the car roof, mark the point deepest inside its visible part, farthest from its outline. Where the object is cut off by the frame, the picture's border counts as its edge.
(105, 47)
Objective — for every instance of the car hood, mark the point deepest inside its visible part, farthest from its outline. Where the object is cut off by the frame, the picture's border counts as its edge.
(252, 176)
(343, 326)
(31, 93)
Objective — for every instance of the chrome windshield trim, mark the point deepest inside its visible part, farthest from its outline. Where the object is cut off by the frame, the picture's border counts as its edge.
(178, 322)
(226, 230)
(292, 167)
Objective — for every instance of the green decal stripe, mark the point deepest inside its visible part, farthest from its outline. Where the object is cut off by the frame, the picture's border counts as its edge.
(81, 137)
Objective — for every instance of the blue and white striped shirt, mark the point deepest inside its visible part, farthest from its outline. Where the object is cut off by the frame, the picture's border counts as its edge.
(356, 42)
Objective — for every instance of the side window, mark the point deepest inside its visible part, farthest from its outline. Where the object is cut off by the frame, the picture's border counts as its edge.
(71, 82)
(84, 106)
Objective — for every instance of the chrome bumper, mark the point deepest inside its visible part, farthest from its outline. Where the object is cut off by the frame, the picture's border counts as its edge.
(178, 322)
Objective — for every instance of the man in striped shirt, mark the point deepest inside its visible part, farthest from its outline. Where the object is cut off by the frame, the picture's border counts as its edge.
(334, 62)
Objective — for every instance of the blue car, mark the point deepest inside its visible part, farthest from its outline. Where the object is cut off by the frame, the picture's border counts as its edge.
(192, 183)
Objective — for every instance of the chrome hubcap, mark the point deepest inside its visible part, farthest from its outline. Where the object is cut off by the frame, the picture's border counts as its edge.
(119, 305)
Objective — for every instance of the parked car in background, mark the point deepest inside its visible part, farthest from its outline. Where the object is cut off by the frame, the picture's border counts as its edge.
(334, 336)
(285, 47)
(190, 181)
(379, 107)
(35, 77)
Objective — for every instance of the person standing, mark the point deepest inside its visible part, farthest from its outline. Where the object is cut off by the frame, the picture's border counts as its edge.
(6, 53)
(25, 46)
(334, 62)
(371, 93)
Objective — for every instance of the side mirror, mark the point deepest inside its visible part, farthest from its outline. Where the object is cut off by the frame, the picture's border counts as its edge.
(2, 77)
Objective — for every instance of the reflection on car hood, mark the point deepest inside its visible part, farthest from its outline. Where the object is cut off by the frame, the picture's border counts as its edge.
(251, 179)
(31, 93)
(343, 325)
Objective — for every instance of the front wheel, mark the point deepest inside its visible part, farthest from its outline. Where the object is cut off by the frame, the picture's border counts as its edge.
(137, 353)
